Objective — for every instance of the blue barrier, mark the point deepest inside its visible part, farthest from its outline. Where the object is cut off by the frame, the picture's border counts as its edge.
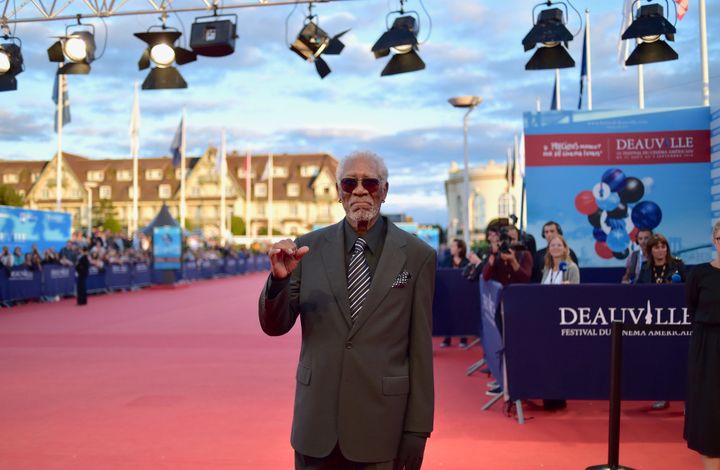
(20, 283)
(118, 276)
(492, 342)
(456, 305)
(557, 341)
(58, 280)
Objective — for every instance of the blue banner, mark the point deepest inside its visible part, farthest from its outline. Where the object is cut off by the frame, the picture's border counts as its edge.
(118, 276)
(492, 342)
(456, 305)
(141, 275)
(167, 247)
(58, 280)
(557, 341)
(24, 284)
(26, 227)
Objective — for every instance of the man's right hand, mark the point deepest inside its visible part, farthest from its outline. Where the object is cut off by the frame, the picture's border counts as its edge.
(284, 257)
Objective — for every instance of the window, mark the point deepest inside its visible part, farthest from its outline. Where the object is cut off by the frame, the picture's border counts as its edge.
(105, 192)
(506, 205)
(96, 175)
(260, 189)
(10, 178)
(459, 210)
(280, 171)
(164, 191)
(123, 175)
(195, 191)
(308, 171)
(130, 192)
(293, 190)
(35, 176)
(261, 210)
(45, 193)
(293, 209)
(178, 173)
(241, 173)
(478, 212)
(154, 174)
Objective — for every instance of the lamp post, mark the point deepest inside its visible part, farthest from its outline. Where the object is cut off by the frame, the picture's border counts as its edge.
(468, 102)
(89, 188)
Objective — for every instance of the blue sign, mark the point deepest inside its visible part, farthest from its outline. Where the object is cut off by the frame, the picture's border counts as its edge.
(27, 227)
(167, 247)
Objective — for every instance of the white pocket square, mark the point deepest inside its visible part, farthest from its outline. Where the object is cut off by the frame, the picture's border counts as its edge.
(401, 280)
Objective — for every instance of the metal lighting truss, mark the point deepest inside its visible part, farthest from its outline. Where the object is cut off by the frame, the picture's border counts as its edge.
(25, 11)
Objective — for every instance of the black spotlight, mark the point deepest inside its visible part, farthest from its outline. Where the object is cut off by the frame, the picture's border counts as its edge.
(162, 52)
(78, 47)
(11, 63)
(550, 31)
(401, 39)
(214, 38)
(312, 42)
(649, 25)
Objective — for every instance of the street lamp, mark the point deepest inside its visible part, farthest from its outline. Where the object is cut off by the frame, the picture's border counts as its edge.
(469, 102)
(89, 187)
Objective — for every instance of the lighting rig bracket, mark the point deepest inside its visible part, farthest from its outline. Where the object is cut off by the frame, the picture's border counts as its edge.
(649, 25)
(312, 42)
(77, 46)
(401, 39)
(551, 31)
(11, 60)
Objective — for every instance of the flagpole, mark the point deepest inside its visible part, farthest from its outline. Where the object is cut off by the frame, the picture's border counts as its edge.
(248, 199)
(270, 196)
(640, 77)
(588, 62)
(222, 190)
(183, 208)
(58, 173)
(704, 54)
(135, 148)
(557, 89)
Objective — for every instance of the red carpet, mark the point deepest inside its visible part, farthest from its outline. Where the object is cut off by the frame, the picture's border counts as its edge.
(185, 379)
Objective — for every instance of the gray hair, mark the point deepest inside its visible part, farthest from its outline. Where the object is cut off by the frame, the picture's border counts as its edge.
(716, 229)
(363, 155)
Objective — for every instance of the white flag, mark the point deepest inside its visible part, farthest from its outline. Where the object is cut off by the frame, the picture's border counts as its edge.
(624, 45)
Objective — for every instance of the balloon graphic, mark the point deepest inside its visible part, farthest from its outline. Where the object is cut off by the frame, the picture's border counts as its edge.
(610, 203)
(601, 191)
(633, 191)
(614, 178)
(633, 234)
(585, 203)
(594, 218)
(602, 250)
(620, 212)
(615, 223)
(646, 215)
(617, 240)
(599, 235)
(623, 255)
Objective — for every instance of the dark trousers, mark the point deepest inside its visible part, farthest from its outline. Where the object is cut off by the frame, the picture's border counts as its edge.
(336, 461)
(82, 290)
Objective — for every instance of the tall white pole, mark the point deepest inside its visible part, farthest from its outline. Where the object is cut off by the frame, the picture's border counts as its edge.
(557, 89)
(89, 214)
(222, 189)
(588, 62)
(466, 179)
(59, 169)
(704, 54)
(537, 104)
(270, 195)
(641, 77)
(135, 150)
(183, 208)
(248, 195)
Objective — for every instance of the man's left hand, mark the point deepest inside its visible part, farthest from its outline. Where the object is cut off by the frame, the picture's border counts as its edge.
(410, 454)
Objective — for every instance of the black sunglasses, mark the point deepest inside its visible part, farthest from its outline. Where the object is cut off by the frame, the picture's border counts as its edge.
(371, 185)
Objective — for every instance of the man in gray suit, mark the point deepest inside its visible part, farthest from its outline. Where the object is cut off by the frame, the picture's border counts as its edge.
(363, 289)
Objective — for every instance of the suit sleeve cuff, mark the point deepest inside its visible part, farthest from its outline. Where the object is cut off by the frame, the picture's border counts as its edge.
(275, 286)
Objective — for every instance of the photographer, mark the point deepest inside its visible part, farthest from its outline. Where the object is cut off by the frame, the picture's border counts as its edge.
(509, 262)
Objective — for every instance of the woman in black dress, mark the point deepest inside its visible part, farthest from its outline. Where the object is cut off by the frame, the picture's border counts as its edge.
(702, 408)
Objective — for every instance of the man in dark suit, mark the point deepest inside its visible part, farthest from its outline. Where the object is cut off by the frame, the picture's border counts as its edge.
(363, 289)
(82, 266)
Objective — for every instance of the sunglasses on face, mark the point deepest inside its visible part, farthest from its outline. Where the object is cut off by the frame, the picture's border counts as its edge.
(371, 185)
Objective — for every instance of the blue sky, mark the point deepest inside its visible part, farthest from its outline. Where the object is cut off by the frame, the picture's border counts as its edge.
(268, 99)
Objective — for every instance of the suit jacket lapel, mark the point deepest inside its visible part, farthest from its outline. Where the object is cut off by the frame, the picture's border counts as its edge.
(333, 255)
(391, 262)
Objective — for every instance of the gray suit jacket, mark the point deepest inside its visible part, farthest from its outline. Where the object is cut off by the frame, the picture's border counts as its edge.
(359, 385)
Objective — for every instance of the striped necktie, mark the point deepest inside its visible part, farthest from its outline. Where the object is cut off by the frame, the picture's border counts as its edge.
(358, 278)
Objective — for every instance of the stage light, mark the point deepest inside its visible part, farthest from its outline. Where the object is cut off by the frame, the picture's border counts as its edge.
(77, 47)
(312, 42)
(215, 38)
(401, 39)
(11, 63)
(550, 31)
(649, 25)
(162, 52)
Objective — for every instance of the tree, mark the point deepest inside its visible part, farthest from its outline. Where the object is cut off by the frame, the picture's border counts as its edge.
(104, 215)
(264, 231)
(237, 226)
(10, 197)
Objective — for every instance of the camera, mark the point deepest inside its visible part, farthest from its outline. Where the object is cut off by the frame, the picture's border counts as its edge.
(507, 243)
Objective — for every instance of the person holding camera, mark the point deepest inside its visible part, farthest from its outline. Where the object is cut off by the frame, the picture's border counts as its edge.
(508, 262)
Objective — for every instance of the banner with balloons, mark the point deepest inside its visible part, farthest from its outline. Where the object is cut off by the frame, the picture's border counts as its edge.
(603, 176)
